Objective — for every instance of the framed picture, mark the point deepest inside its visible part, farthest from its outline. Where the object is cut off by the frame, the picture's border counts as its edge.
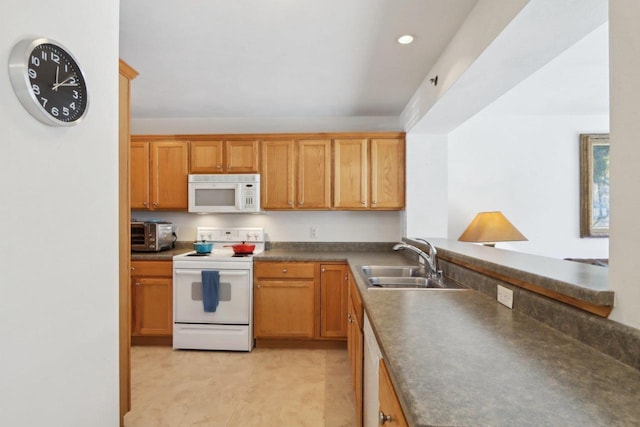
(594, 185)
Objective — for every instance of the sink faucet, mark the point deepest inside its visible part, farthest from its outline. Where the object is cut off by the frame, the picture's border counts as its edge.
(423, 257)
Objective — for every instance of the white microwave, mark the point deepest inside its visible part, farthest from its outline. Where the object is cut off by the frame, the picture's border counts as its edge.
(224, 193)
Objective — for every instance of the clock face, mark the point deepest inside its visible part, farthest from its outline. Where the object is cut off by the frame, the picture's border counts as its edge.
(49, 82)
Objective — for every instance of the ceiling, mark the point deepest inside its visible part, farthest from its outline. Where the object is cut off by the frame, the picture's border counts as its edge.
(281, 58)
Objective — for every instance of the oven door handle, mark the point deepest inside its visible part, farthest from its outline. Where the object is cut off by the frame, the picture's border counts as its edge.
(233, 273)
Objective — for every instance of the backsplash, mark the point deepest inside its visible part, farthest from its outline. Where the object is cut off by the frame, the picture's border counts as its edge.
(282, 226)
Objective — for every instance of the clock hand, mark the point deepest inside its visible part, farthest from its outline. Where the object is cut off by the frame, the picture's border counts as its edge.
(64, 82)
(57, 74)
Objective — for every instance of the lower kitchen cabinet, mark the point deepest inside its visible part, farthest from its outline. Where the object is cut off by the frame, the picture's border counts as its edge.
(390, 411)
(284, 300)
(355, 346)
(151, 301)
(300, 301)
(334, 293)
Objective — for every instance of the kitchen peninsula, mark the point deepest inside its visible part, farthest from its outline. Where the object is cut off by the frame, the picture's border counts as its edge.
(460, 358)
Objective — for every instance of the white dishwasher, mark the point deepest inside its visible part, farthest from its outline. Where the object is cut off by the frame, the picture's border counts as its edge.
(372, 356)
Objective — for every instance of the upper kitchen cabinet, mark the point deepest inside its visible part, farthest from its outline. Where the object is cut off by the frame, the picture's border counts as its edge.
(314, 174)
(351, 174)
(159, 171)
(224, 156)
(369, 173)
(277, 178)
(296, 174)
(387, 173)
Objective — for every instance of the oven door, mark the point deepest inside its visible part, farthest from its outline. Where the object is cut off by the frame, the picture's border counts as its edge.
(234, 307)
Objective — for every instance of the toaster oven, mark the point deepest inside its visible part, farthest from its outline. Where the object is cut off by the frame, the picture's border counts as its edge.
(151, 236)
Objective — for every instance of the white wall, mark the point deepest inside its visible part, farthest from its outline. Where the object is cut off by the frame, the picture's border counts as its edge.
(59, 266)
(427, 187)
(332, 226)
(264, 125)
(625, 152)
(528, 168)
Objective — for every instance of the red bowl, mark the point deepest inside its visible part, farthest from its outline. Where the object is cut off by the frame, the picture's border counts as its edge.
(242, 248)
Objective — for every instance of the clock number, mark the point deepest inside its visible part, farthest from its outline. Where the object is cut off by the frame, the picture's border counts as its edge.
(66, 68)
(32, 73)
(72, 81)
(36, 89)
(44, 101)
(72, 105)
(55, 58)
(65, 111)
(44, 55)
(75, 94)
(55, 111)
(35, 61)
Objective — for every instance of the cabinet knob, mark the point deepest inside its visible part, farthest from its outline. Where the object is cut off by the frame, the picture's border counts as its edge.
(322, 270)
(218, 166)
(145, 204)
(382, 418)
(228, 167)
(301, 203)
(284, 270)
(137, 283)
(258, 286)
(290, 203)
(374, 203)
(132, 268)
(364, 203)
(155, 204)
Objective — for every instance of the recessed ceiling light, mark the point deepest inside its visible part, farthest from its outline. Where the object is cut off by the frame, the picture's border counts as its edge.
(405, 39)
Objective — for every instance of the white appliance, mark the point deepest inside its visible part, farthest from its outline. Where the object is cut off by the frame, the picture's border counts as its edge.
(230, 327)
(372, 356)
(224, 193)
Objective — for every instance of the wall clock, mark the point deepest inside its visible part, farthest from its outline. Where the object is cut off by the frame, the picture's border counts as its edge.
(48, 81)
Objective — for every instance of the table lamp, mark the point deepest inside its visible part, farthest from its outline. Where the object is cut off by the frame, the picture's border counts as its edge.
(491, 227)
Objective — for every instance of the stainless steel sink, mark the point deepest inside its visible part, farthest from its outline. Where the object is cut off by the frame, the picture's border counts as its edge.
(392, 271)
(403, 277)
(411, 283)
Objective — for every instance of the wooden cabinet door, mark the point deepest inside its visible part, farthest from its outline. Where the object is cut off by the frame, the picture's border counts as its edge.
(139, 180)
(389, 403)
(169, 174)
(277, 181)
(387, 173)
(241, 156)
(350, 173)
(284, 309)
(152, 299)
(334, 293)
(206, 156)
(314, 174)
(355, 347)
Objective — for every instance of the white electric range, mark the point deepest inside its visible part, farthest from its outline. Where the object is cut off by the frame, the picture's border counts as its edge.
(230, 326)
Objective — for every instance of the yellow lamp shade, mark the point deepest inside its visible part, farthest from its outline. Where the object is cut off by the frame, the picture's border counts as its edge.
(489, 228)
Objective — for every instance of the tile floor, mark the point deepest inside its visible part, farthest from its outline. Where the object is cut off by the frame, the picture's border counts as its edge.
(267, 387)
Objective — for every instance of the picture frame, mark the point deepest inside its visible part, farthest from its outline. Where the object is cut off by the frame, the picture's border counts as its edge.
(594, 185)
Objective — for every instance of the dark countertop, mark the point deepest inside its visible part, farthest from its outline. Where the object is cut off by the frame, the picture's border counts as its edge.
(460, 358)
(166, 255)
(584, 282)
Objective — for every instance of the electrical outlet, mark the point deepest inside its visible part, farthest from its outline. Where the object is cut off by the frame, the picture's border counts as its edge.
(505, 296)
(313, 232)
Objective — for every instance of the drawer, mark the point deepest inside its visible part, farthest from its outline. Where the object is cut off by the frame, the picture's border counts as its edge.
(152, 268)
(284, 270)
